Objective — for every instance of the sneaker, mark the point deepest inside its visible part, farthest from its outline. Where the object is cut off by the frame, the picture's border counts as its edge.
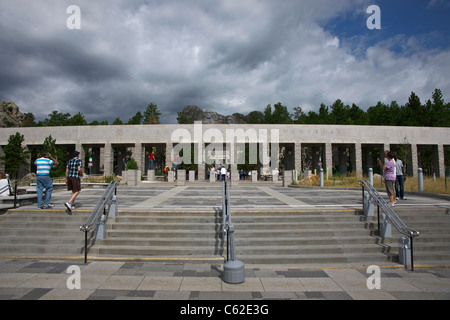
(68, 206)
(49, 206)
(403, 198)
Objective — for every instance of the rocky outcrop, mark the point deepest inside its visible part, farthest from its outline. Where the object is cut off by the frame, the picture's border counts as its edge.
(10, 116)
(194, 113)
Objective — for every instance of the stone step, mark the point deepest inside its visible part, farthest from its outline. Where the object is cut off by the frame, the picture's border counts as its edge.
(302, 237)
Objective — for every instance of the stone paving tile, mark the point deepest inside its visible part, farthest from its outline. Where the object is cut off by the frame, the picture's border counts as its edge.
(121, 282)
(282, 285)
(201, 284)
(160, 283)
(320, 284)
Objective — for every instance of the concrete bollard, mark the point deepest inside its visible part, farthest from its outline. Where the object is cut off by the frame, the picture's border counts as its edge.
(254, 176)
(112, 211)
(420, 178)
(151, 175)
(386, 227)
(191, 175)
(368, 206)
(274, 175)
(404, 252)
(287, 178)
(171, 176)
(181, 177)
(371, 176)
(101, 229)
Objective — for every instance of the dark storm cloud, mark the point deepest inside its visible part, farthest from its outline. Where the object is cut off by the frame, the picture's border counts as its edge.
(227, 56)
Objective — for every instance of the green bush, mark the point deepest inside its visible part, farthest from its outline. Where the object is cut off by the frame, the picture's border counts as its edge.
(132, 164)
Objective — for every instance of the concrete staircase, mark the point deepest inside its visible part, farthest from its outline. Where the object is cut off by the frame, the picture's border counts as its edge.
(316, 237)
(433, 244)
(309, 238)
(41, 233)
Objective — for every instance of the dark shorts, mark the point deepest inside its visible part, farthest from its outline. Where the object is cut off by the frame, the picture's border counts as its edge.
(74, 184)
(390, 187)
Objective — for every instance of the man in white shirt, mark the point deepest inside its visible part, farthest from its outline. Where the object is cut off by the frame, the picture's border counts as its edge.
(223, 172)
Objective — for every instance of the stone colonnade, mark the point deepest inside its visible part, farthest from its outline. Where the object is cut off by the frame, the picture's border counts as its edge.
(336, 149)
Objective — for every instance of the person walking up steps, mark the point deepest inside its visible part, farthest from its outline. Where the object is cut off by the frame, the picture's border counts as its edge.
(43, 165)
(74, 172)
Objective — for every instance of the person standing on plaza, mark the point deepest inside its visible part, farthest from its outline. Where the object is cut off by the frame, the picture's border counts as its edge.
(44, 164)
(389, 176)
(151, 158)
(74, 172)
(125, 161)
(223, 172)
(400, 178)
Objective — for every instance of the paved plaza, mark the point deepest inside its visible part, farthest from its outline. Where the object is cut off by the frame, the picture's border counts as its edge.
(41, 279)
(106, 280)
(246, 196)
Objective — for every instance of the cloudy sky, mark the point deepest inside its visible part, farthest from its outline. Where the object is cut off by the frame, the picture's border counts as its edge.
(227, 56)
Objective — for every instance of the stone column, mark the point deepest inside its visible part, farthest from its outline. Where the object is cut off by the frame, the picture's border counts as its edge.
(138, 156)
(441, 156)
(108, 159)
(82, 157)
(415, 159)
(358, 160)
(298, 157)
(201, 165)
(328, 159)
(169, 148)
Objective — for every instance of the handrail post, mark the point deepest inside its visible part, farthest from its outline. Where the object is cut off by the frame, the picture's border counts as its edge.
(15, 194)
(233, 270)
(363, 202)
(378, 214)
(412, 254)
(85, 246)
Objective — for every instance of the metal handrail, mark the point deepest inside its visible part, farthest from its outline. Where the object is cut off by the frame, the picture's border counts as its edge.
(7, 187)
(99, 210)
(12, 188)
(391, 216)
(228, 227)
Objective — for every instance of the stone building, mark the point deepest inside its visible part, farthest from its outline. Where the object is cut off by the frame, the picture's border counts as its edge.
(287, 147)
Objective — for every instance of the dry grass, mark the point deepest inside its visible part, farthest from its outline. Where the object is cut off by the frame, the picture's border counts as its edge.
(411, 184)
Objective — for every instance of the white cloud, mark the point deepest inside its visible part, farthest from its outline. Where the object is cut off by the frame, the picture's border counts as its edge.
(227, 56)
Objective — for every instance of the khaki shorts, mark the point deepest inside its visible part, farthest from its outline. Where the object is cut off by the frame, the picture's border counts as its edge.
(74, 184)
(390, 184)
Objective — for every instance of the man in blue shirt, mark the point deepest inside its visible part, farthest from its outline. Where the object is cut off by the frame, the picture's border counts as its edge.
(74, 173)
(44, 164)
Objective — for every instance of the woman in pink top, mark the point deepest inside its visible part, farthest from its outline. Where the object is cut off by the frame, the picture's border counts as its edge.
(389, 175)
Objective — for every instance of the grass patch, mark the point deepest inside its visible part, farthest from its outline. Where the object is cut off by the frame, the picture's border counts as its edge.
(430, 185)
